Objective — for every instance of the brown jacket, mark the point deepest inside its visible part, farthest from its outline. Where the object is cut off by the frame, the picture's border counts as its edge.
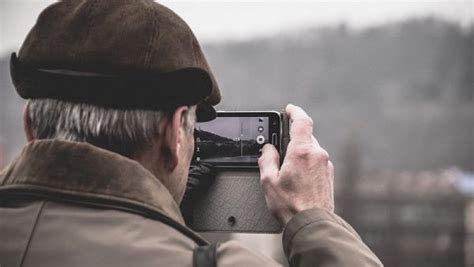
(73, 204)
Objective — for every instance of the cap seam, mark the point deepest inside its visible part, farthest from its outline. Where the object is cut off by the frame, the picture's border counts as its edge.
(80, 49)
(193, 45)
(151, 42)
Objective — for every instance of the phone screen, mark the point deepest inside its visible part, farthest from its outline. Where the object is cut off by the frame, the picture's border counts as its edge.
(235, 138)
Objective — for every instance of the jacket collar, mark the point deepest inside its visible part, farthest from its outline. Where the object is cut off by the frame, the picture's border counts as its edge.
(83, 169)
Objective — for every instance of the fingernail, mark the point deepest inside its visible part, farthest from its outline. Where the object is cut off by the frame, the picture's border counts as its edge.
(268, 146)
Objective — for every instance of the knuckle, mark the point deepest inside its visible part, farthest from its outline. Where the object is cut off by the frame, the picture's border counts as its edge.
(323, 155)
(304, 151)
(312, 152)
(307, 121)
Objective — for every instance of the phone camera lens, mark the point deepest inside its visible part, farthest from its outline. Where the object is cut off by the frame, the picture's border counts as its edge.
(260, 129)
(260, 139)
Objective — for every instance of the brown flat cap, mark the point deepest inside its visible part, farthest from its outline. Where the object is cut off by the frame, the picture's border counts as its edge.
(126, 54)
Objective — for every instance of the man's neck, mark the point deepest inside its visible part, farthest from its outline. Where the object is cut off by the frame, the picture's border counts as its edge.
(155, 164)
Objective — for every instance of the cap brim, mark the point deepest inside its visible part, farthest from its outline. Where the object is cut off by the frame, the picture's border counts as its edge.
(205, 112)
(121, 90)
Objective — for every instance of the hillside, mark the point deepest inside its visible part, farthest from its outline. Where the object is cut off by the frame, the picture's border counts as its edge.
(395, 97)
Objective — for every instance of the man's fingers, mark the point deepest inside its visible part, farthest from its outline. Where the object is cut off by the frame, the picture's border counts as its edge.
(269, 164)
(301, 127)
(202, 169)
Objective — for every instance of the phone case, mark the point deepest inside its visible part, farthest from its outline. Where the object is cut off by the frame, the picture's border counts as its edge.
(236, 202)
(285, 134)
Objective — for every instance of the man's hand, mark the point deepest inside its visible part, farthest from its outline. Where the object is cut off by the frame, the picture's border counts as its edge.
(305, 179)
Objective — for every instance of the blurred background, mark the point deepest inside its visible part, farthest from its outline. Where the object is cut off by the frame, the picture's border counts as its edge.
(389, 85)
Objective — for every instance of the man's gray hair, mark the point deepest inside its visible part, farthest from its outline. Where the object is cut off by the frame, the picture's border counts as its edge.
(127, 132)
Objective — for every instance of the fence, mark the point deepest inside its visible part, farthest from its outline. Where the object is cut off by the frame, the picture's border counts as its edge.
(422, 225)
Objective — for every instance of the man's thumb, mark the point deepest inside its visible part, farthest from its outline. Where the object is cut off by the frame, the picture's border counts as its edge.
(269, 164)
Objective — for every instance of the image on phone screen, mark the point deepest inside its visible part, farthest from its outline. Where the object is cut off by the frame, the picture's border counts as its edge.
(231, 140)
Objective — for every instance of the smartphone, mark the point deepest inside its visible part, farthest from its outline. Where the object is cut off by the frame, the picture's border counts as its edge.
(235, 138)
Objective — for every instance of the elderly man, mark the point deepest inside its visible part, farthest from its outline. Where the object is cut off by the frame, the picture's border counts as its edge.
(114, 90)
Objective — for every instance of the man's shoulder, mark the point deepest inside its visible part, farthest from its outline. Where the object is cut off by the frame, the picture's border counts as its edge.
(80, 235)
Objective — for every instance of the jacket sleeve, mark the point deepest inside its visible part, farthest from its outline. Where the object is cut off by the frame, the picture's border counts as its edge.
(316, 237)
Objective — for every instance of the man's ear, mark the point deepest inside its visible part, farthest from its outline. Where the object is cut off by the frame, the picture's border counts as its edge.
(173, 134)
(27, 123)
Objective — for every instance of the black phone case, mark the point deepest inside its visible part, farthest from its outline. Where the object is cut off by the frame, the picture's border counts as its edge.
(236, 202)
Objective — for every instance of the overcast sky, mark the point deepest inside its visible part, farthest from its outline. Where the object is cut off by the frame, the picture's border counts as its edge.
(239, 20)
